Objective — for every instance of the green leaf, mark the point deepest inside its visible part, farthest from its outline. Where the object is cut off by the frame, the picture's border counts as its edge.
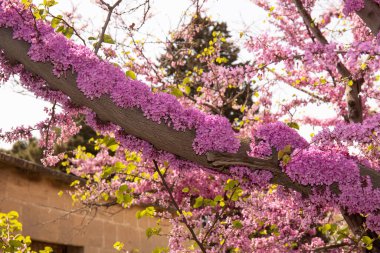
(231, 184)
(293, 125)
(152, 231)
(55, 22)
(113, 147)
(49, 3)
(186, 189)
(123, 188)
(108, 39)
(13, 215)
(105, 196)
(60, 29)
(209, 202)
(218, 198)
(161, 250)
(237, 224)
(37, 14)
(263, 232)
(131, 74)
(27, 240)
(287, 149)
(368, 242)
(280, 154)
(198, 202)
(15, 243)
(68, 32)
(130, 167)
(75, 182)
(26, 3)
(187, 90)
(47, 249)
(237, 194)
(176, 92)
(118, 246)
(186, 80)
(325, 228)
(148, 212)
(119, 166)
(286, 159)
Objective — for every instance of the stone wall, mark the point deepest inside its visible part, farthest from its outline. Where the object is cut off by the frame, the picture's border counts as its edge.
(32, 191)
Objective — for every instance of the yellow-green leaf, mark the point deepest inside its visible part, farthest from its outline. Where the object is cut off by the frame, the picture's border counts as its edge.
(108, 39)
(131, 74)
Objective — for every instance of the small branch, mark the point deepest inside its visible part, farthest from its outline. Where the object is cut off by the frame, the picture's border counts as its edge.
(68, 25)
(217, 216)
(269, 164)
(147, 7)
(334, 246)
(179, 210)
(49, 124)
(353, 99)
(104, 28)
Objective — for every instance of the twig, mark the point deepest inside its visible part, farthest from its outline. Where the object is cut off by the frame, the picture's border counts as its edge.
(334, 246)
(179, 210)
(217, 216)
(49, 124)
(352, 92)
(70, 26)
(104, 28)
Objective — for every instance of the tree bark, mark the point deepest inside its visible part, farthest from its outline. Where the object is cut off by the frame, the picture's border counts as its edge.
(370, 15)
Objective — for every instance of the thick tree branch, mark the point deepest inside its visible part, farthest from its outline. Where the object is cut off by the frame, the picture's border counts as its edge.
(135, 123)
(355, 110)
(370, 15)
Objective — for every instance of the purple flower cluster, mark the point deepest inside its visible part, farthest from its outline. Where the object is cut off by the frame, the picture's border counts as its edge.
(315, 167)
(279, 135)
(352, 6)
(333, 175)
(361, 132)
(248, 177)
(373, 222)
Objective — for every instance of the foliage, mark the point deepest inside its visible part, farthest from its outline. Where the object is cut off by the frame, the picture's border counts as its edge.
(28, 150)
(205, 33)
(31, 150)
(197, 49)
(10, 238)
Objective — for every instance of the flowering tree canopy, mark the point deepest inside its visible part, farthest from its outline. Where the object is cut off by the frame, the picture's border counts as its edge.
(174, 152)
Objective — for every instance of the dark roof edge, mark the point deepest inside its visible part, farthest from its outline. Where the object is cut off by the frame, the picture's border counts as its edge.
(35, 168)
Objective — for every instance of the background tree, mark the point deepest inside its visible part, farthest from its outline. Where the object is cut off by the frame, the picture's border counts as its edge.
(184, 61)
(31, 150)
(27, 149)
(182, 50)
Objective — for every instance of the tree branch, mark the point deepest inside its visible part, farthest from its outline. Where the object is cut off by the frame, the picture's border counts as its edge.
(104, 28)
(178, 209)
(136, 124)
(370, 15)
(355, 110)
